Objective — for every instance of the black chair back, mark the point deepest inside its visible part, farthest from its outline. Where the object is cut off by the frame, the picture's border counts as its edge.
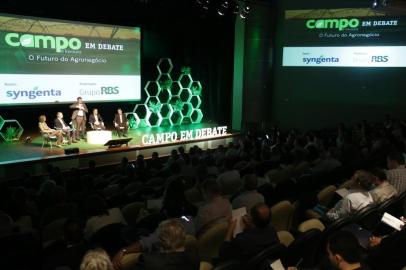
(262, 259)
(368, 217)
(228, 265)
(109, 238)
(305, 249)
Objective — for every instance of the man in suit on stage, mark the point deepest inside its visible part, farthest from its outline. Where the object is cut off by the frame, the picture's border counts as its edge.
(121, 123)
(96, 121)
(79, 117)
(60, 124)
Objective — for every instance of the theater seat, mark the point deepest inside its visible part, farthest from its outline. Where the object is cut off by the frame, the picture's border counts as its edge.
(282, 214)
(261, 260)
(285, 237)
(311, 224)
(208, 244)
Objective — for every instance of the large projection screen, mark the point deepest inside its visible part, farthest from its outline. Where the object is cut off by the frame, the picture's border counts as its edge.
(44, 61)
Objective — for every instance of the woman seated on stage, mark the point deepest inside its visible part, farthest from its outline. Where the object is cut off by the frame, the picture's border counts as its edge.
(44, 129)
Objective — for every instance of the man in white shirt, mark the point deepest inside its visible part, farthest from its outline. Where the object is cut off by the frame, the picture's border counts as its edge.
(356, 200)
(383, 189)
(79, 117)
(396, 174)
(60, 124)
(215, 209)
(250, 196)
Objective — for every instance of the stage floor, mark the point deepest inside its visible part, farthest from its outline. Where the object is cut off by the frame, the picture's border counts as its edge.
(24, 152)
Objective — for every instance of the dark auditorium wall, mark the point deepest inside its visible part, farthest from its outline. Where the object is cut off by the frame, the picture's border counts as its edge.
(316, 97)
(177, 29)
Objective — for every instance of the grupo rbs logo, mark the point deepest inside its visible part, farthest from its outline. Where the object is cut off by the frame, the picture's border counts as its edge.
(32, 94)
(110, 90)
(320, 60)
(339, 24)
(103, 90)
(43, 42)
(379, 58)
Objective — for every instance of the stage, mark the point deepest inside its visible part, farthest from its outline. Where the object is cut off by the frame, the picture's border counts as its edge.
(18, 157)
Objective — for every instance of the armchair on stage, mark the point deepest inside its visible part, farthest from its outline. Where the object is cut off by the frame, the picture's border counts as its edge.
(48, 138)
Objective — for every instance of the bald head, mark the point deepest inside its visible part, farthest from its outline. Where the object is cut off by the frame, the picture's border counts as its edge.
(261, 215)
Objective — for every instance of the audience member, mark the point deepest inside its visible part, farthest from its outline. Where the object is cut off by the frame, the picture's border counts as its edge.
(249, 197)
(383, 189)
(172, 255)
(396, 173)
(96, 259)
(99, 216)
(229, 181)
(357, 199)
(258, 234)
(215, 209)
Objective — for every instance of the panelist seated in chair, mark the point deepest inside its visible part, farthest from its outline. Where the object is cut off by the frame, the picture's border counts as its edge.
(96, 121)
(47, 131)
(69, 132)
(121, 123)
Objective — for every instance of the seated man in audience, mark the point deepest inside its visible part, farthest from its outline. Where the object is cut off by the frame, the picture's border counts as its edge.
(250, 196)
(383, 189)
(356, 200)
(44, 129)
(388, 252)
(216, 209)
(60, 124)
(96, 121)
(173, 255)
(230, 180)
(344, 253)
(396, 173)
(121, 123)
(258, 234)
(151, 243)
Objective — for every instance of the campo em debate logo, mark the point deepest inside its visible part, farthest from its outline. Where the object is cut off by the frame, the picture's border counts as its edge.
(41, 41)
(339, 24)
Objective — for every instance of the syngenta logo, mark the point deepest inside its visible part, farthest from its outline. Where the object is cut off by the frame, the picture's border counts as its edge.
(40, 41)
(339, 24)
(319, 60)
(32, 94)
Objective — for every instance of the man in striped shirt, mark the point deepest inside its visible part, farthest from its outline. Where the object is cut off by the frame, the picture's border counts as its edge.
(396, 172)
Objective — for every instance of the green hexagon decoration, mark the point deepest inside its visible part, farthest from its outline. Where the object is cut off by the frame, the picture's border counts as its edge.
(176, 88)
(164, 65)
(133, 120)
(155, 119)
(195, 101)
(166, 111)
(176, 118)
(185, 80)
(168, 102)
(196, 88)
(187, 109)
(185, 94)
(196, 116)
(164, 96)
(1, 122)
(143, 113)
(10, 130)
(152, 88)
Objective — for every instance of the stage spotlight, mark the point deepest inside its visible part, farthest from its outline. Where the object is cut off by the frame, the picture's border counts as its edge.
(236, 8)
(206, 4)
(374, 3)
(223, 8)
(244, 13)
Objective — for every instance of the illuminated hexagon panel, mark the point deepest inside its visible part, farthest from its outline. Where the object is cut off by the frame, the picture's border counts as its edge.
(10, 130)
(168, 102)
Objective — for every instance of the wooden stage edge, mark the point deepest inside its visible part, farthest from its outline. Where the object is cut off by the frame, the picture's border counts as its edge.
(103, 157)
